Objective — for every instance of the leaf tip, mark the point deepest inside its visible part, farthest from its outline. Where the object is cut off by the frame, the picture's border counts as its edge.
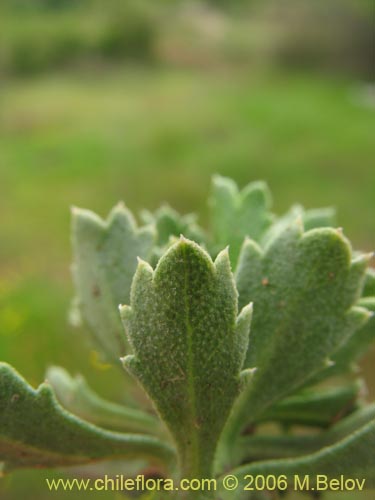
(247, 311)
(223, 256)
(77, 212)
(142, 264)
(217, 179)
(120, 205)
(120, 209)
(127, 362)
(364, 258)
(329, 363)
(299, 222)
(124, 310)
(246, 376)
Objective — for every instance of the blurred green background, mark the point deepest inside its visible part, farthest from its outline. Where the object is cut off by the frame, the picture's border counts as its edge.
(143, 101)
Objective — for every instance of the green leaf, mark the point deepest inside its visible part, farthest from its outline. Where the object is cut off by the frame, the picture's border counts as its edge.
(36, 432)
(169, 222)
(319, 217)
(75, 395)
(358, 344)
(312, 219)
(317, 408)
(262, 447)
(369, 286)
(105, 259)
(303, 286)
(346, 358)
(352, 457)
(189, 346)
(238, 214)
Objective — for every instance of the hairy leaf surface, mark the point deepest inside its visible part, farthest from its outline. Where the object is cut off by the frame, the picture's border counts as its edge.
(189, 346)
(238, 214)
(303, 286)
(105, 260)
(35, 431)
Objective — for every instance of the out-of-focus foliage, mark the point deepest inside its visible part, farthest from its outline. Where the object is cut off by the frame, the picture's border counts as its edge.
(47, 34)
(334, 35)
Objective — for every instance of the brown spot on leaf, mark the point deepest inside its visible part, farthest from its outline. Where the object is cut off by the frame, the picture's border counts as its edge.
(14, 398)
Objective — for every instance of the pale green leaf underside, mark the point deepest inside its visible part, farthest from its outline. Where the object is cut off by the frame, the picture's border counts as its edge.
(35, 431)
(188, 344)
(76, 396)
(315, 407)
(303, 286)
(352, 457)
(262, 447)
(105, 260)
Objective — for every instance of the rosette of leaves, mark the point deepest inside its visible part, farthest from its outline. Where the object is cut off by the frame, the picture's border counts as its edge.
(214, 371)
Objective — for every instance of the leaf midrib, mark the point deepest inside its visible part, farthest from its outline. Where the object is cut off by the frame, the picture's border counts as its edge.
(190, 364)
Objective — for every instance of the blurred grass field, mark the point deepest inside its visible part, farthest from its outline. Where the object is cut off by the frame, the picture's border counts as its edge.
(148, 134)
(148, 137)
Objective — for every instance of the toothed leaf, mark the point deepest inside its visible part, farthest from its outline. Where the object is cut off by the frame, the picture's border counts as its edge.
(303, 286)
(35, 431)
(189, 346)
(238, 214)
(105, 259)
